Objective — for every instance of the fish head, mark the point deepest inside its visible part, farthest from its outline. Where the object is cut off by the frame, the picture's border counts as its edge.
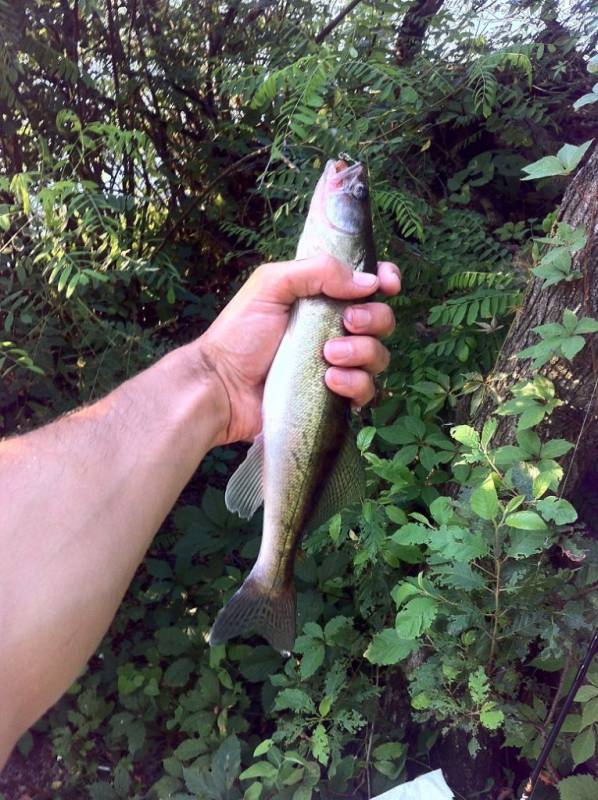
(341, 199)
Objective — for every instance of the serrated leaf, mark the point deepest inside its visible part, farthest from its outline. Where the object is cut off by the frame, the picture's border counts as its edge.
(320, 746)
(387, 648)
(526, 543)
(491, 717)
(295, 699)
(416, 617)
(466, 435)
(312, 660)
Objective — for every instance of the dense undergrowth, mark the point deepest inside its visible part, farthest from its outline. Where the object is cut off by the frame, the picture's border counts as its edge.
(143, 173)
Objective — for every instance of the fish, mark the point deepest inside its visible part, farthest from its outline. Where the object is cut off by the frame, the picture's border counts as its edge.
(304, 466)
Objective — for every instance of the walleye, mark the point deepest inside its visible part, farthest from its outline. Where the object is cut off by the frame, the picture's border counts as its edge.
(304, 466)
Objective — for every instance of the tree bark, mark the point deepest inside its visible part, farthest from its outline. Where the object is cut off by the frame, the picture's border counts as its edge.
(410, 35)
(576, 381)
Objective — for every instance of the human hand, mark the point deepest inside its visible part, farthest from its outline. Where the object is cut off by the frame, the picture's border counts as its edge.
(241, 343)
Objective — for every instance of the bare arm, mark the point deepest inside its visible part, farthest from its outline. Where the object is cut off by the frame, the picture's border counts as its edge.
(79, 503)
(81, 499)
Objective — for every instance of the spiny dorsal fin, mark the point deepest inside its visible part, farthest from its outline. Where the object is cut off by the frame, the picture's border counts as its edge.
(345, 484)
(245, 490)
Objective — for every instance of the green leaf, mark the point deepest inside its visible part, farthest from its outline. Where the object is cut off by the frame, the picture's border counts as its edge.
(101, 791)
(320, 746)
(578, 787)
(544, 168)
(570, 155)
(261, 769)
(587, 325)
(488, 431)
(389, 751)
(557, 510)
(263, 747)
(312, 660)
(484, 500)
(478, 686)
(583, 746)
(526, 520)
(555, 448)
(226, 763)
(295, 699)
(416, 617)
(402, 591)
(526, 543)
(365, 437)
(253, 792)
(179, 671)
(571, 346)
(585, 693)
(466, 435)
(387, 648)
(589, 714)
(491, 717)
(172, 641)
(190, 748)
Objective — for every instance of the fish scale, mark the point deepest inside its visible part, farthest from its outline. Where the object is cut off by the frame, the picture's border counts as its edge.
(304, 466)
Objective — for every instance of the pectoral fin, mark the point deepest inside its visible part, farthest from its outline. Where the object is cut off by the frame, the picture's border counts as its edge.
(245, 490)
(345, 484)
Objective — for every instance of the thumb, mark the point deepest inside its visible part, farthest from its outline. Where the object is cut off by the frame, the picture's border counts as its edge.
(286, 281)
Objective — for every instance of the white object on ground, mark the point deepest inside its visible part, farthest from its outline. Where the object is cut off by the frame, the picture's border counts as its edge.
(430, 786)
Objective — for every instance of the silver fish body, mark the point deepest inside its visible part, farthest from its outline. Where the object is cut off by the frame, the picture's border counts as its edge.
(304, 466)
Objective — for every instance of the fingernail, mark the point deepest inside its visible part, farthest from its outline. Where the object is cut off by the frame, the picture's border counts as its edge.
(395, 281)
(358, 317)
(364, 278)
(338, 349)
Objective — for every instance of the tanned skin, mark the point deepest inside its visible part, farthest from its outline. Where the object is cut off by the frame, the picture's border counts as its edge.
(81, 498)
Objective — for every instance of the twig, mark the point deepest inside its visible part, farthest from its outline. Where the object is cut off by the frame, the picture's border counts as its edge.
(231, 168)
(336, 21)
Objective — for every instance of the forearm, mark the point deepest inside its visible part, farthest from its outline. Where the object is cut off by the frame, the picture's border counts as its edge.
(79, 503)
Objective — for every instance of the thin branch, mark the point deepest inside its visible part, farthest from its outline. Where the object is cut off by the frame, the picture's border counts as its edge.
(336, 21)
(202, 195)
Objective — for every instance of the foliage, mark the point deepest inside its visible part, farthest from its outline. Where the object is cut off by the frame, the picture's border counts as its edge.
(150, 155)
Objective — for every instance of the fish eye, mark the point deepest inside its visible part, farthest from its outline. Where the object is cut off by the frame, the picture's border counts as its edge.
(360, 191)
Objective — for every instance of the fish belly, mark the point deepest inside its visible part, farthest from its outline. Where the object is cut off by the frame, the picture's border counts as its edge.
(303, 425)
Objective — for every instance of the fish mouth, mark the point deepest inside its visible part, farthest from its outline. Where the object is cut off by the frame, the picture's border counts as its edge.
(341, 171)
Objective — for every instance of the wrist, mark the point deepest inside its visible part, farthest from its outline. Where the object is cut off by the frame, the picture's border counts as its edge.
(196, 377)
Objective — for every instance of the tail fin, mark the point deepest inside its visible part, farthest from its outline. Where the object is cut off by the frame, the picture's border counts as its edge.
(255, 607)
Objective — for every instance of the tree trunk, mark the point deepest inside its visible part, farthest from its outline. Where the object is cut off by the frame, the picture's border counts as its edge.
(410, 36)
(575, 382)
